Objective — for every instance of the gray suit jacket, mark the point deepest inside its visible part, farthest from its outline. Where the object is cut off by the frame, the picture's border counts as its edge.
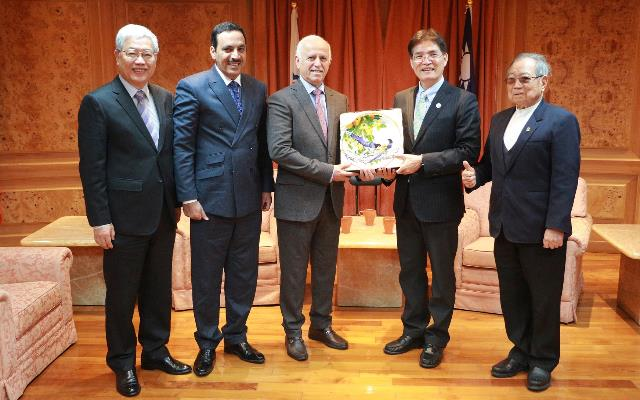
(220, 156)
(305, 160)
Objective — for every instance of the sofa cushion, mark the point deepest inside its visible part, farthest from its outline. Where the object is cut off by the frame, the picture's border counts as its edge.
(31, 302)
(479, 253)
(267, 250)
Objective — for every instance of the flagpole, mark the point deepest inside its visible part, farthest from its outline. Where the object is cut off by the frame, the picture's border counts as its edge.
(293, 42)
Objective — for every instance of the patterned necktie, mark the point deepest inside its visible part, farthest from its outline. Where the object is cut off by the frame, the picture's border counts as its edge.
(320, 111)
(418, 114)
(234, 88)
(142, 104)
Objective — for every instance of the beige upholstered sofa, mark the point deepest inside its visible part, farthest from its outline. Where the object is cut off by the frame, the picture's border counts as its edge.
(268, 290)
(476, 276)
(36, 318)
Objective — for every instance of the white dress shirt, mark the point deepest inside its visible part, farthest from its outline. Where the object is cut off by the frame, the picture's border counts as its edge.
(516, 124)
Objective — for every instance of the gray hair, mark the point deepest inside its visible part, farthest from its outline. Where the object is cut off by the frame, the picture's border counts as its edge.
(136, 32)
(542, 65)
(306, 39)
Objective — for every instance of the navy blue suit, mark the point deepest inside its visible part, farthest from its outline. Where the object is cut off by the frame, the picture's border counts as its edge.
(221, 159)
(534, 184)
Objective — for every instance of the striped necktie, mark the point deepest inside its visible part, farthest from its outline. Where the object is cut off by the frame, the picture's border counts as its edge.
(142, 104)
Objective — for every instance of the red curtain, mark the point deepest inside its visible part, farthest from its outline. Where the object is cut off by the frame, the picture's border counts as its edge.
(370, 62)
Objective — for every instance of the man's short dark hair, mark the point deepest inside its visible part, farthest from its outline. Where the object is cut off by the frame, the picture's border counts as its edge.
(226, 26)
(424, 35)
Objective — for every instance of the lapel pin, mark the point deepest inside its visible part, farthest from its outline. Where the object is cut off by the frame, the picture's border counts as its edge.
(438, 105)
(528, 129)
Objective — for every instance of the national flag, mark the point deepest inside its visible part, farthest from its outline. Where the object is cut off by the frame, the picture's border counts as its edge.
(467, 75)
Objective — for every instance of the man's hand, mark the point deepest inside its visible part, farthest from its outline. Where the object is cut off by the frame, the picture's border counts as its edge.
(553, 238)
(266, 201)
(194, 211)
(340, 172)
(468, 176)
(410, 163)
(367, 174)
(104, 235)
(388, 174)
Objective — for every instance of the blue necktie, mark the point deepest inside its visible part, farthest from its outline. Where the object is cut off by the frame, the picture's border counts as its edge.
(234, 88)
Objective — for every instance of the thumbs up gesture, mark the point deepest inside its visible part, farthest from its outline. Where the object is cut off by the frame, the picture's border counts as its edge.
(468, 175)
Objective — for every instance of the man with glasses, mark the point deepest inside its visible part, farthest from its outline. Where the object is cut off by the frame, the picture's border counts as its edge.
(441, 129)
(532, 156)
(125, 137)
(224, 178)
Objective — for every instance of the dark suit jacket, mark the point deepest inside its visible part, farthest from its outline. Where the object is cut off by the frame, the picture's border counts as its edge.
(221, 158)
(450, 134)
(305, 160)
(125, 179)
(534, 189)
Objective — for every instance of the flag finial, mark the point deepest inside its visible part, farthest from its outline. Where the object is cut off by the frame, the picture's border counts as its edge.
(294, 4)
(469, 3)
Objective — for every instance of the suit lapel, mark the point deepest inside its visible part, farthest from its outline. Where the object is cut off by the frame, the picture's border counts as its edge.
(410, 100)
(248, 106)
(220, 90)
(126, 102)
(498, 142)
(331, 116)
(441, 98)
(305, 101)
(161, 112)
(526, 133)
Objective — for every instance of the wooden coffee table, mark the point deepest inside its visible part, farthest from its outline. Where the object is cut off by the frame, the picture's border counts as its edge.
(626, 239)
(74, 232)
(368, 267)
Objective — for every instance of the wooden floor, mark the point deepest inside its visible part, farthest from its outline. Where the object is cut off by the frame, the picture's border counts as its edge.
(600, 358)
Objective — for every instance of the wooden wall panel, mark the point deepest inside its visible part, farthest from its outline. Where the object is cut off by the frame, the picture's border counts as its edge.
(46, 69)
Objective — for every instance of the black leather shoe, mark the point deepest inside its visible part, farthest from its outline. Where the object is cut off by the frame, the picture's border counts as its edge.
(403, 344)
(168, 364)
(245, 351)
(431, 356)
(203, 365)
(329, 337)
(296, 348)
(538, 379)
(127, 383)
(507, 368)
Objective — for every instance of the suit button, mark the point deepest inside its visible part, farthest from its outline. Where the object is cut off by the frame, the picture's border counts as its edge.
(160, 181)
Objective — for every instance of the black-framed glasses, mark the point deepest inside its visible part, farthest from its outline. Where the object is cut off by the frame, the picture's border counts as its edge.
(524, 80)
(133, 54)
(418, 58)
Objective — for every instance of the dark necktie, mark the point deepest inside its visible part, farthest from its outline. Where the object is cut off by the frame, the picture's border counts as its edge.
(142, 104)
(234, 88)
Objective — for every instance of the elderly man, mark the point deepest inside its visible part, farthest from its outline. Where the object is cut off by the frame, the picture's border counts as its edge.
(125, 137)
(532, 156)
(224, 178)
(303, 126)
(441, 129)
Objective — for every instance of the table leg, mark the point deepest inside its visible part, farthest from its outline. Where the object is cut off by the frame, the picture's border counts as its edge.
(629, 287)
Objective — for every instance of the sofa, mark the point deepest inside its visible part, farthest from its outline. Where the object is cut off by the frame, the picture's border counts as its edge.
(475, 268)
(36, 318)
(268, 289)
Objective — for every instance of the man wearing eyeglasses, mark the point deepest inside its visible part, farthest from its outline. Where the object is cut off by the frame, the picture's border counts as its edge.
(441, 129)
(125, 137)
(224, 178)
(532, 156)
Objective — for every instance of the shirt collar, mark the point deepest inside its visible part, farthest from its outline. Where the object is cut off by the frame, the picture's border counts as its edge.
(309, 87)
(528, 109)
(132, 90)
(431, 91)
(226, 80)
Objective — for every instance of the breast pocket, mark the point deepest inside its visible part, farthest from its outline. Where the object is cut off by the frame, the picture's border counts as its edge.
(214, 166)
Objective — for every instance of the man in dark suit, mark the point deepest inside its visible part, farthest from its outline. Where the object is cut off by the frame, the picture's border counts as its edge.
(441, 129)
(532, 156)
(303, 126)
(224, 178)
(125, 136)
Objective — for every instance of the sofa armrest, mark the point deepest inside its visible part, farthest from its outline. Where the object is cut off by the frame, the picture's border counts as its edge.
(30, 264)
(468, 231)
(7, 338)
(581, 231)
